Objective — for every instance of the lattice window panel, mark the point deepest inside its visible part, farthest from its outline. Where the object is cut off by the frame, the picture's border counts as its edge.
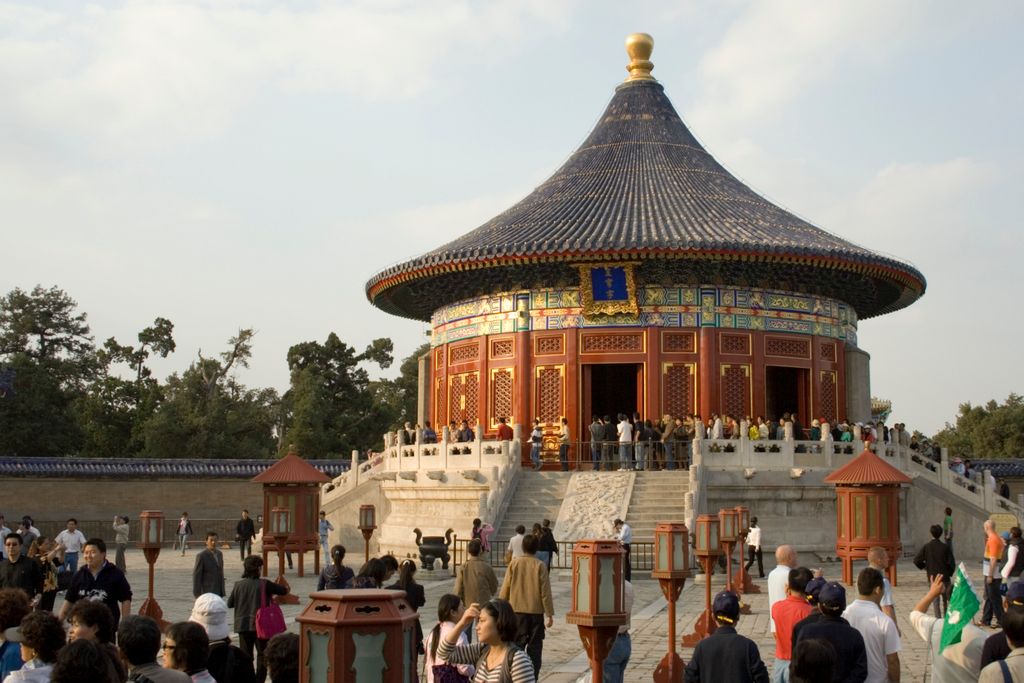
(501, 394)
(440, 412)
(828, 352)
(439, 359)
(547, 346)
(680, 343)
(462, 398)
(613, 342)
(790, 348)
(471, 390)
(549, 395)
(829, 409)
(735, 387)
(462, 354)
(736, 343)
(502, 348)
(678, 387)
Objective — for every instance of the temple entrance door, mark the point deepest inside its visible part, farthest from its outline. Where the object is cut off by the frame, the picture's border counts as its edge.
(786, 390)
(610, 389)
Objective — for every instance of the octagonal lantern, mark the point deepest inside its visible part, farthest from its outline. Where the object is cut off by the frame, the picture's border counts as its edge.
(671, 551)
(598, 593)
(728, 525)
(151, 533)
(357, 635)
(706, 536)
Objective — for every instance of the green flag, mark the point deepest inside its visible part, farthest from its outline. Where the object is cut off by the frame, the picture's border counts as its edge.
(963, 605)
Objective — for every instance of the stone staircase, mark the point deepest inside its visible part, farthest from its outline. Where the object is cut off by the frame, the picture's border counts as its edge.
(657, 497)
(538, 496)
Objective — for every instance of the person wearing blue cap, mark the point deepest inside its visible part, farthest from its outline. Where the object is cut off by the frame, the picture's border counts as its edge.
(996, 645)
(851, 655)
(726, 655)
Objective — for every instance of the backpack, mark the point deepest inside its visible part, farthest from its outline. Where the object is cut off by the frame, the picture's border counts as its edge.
(506, 667)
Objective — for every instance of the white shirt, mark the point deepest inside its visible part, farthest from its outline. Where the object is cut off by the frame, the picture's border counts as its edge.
(71, 540)
(1011, 560)
(880, 636)
(778, 582)
(515, 545)
(717, 430)
(625, 432)
(754, 538)
(626, 533)
(959, 663)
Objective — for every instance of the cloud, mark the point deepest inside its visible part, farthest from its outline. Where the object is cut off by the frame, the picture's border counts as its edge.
(776, 50)
(154, 73)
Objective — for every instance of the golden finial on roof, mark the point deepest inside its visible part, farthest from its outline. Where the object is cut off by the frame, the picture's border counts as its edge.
(639, 47)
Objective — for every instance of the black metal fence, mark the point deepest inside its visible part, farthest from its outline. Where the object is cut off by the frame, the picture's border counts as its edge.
(641, 554)
(94, 528)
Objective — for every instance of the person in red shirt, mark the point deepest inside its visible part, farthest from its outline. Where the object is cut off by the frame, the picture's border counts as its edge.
(786, 613)
(504, 431)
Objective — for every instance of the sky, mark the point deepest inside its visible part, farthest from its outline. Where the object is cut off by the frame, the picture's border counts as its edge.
(231, 164)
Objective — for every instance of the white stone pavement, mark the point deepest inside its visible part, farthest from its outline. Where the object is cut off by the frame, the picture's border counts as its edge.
(564, 660)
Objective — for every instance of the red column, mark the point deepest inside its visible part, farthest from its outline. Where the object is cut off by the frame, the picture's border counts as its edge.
(707, 371)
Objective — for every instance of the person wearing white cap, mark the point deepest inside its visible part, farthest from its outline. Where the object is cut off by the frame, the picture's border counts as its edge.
(225, 662)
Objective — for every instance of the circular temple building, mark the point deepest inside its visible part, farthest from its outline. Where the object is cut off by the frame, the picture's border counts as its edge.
(643, 277)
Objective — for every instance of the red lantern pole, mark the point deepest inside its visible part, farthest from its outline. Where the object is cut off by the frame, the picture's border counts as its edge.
(151, 536)
(671, 569)
(706, 548)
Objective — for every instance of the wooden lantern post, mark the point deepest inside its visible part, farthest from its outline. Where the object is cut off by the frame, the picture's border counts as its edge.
(706, 548)
(280, 528)
(151, 538)
(671, 569)
(367, 523)
(598, 599)
(744, 584)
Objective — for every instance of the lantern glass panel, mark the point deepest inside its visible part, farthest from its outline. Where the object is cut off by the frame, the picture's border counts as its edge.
(371, 661)
(840, 517)
(678, 550)
(661, 562)
(727, 523)
(582, 584)
(318, 663)
(154, 531)
(858, 516)
(744, 516)
(872, 517)
(606, 585)
(703, 535)
(712, 536)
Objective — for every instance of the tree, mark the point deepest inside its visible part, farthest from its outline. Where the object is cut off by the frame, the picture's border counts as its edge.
(330, 405)
(207, 413)
(115, 409)
(48, 357)
(992, 431)
(399, 396)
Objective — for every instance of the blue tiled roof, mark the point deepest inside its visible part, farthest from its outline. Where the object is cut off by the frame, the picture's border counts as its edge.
(642, 188)
(146, 468)
(1001, 467)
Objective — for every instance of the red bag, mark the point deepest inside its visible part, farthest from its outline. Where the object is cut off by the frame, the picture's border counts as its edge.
(269, 617)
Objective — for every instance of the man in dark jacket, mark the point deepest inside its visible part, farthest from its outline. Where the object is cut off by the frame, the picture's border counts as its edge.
(936, 558)
(996, 646)
(245, 532)
(208, 573)
(725, 655)
(611, 442)
(852, 661)
(17, 570)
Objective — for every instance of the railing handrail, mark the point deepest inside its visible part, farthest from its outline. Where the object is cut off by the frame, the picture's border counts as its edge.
(641, 554)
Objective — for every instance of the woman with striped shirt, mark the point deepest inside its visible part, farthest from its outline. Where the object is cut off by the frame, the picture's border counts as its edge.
(495, 655)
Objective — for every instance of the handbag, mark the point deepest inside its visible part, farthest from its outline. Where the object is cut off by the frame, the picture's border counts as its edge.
(269, 617)
(446, 673)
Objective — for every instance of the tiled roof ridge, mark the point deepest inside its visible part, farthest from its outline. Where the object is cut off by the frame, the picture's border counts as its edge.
(642, 184)
(150, 467)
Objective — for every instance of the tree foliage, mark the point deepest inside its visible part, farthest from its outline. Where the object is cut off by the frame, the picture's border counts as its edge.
(990, 431)
(330, 405)
(61, 394)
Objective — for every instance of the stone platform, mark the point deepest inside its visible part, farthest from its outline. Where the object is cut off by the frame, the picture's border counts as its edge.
(564, 660)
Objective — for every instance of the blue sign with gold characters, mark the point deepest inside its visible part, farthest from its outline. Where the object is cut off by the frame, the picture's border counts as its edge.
(608, 288)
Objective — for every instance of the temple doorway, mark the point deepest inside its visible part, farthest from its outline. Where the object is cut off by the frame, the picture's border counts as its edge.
(610, 389)
(786, 390)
